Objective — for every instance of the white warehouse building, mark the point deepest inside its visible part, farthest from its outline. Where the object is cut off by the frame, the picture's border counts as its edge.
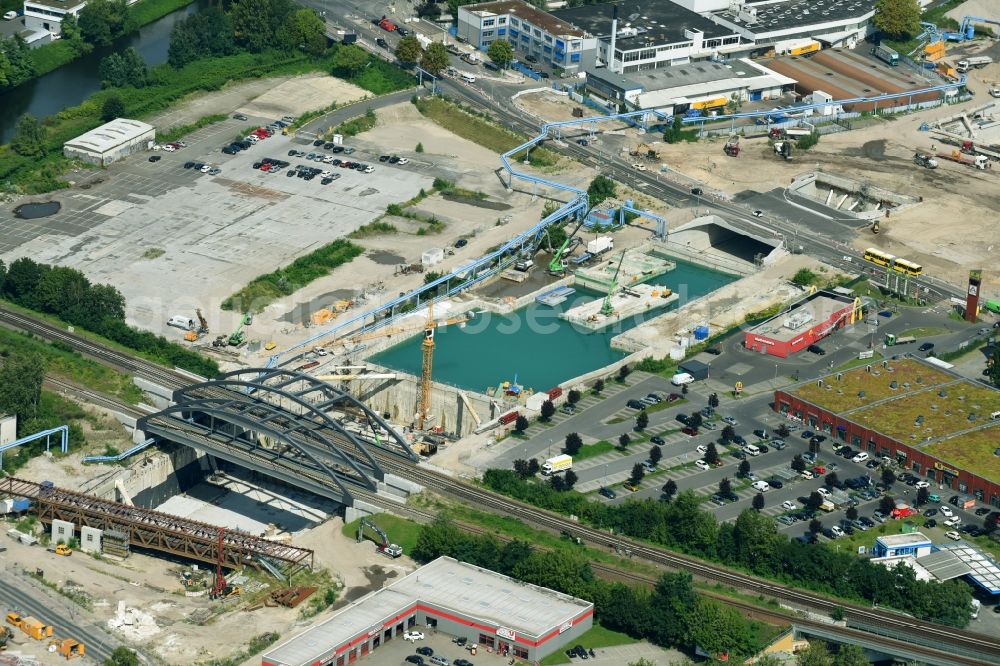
(47, 15)
(111, 141)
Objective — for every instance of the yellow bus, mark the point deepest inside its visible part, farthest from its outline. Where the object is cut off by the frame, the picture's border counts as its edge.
(879, 257)
(908, 267)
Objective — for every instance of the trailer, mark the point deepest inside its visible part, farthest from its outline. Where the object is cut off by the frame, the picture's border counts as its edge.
(977, 161)
(886, 55)
(556, 464)
(975, 62)
(892, 340)
(970, 148)
(600, 245)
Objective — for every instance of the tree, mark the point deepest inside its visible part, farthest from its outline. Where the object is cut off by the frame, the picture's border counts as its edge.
(814, 501)
(21, 378)
(573, 396)
(29, 137)
(409, 51)
(349, 60)
(656, 454)
(501, 53)
(783, 431)
(888, 477)
(122, 656)
(831, 479)
(850, 655)
(886, 504)
(638, 472)
(798, 464)
(642, 420)
(728, 433)
(521, 468)
(815, 526)
(676, 131)
(624, 440)
(994, 366)
(570, 478)
(119, 70)
(598, 386)
(922, 496)
(521, 424)
(600, 188)
(435, 58)
(804, 277)
(713, 400)
(669, 490)
(303, 29)
(695, 420)
(112, 108)
(744, 469)
(897, 18)
(256, 22)
(815, 655)
(711, 454)
(852, 513)
(758, 502)
(720, 629)
(573, 444)
(725, 486)
(557, 483)
(548, 409)
(623, 372)
(533, 467)
(101, 21)
(419, 148)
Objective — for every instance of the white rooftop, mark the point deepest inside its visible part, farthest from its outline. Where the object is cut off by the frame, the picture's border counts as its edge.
(472, 591)
(110, 135)
(898, 540)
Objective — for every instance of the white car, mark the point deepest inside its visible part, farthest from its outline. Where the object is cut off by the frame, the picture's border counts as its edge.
(923, 484)
(954, 521)
(206, 168)
(761, 486)
(329, 159)
(402, 161)
(860, 458)
(788, 505)
(702, 465)
(639, 167)
(807, 475)
(948, 513)
(836, 531)
(320, 351)
(9, 16)
(953, 535)
(168, 148)
(325, 174)
(730, 420)
(413, 636)
(702, 449)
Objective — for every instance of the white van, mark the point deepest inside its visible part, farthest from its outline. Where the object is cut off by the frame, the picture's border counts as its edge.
(751, 450)
(681, 378)
(995, 415)
(180, 321)
(468, 78)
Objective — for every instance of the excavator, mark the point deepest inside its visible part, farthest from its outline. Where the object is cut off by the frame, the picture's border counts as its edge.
(385, 547)
(195, 335)
(556, 266)
(645, 150)
(237, 337)
(606, 309)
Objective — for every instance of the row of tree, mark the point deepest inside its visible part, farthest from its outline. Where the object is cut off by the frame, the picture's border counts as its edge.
(671, 615)
(753, 543)
(100, 308)
(16, 65)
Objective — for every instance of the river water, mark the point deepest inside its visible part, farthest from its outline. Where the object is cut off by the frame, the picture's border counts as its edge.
(73, 83)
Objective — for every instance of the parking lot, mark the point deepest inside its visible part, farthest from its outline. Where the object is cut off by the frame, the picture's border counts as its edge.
(208, 235)
(398, 650)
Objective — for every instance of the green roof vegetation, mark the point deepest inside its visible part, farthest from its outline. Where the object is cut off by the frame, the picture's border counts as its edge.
(972, 452)
(840, 395)
(933, 413)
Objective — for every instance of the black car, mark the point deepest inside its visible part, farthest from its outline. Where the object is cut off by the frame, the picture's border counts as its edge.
(318, 142)
(328, 146)
(326, 181)
(188, 165)
(383, 158)
(714, 351)
(426, 651)
(953, 500)
(382, 43)
(290, 173)
(393, 160)
(338, 149)
(154, 158)
(461, 242)
(739, 440)
(816, 349)
(775, 482)
(403, 32)
(930, 522)
(460, 641)
(461, 662)
(828, 533)
(697, 191)
(607, 492)
(415, 659)
(683, 418)
(927, 346)
(763, 448)
(656, 439)
(982, 511)
(739, 455)
(198, 166)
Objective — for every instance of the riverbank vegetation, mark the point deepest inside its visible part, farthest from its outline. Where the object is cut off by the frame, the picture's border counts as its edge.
(207, 51)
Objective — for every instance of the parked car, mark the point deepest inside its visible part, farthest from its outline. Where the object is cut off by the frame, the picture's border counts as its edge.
(730, 420)
(761, 486)
(656, 439)
(927, 346)
(413, 636)
(607, 492)
(415, 659)
(779, 444)
(702, 465)
(688, 430)
(954, 536)
(425, 651)
(776, 482)
(788, 505)
(816, 349)
(714, 351)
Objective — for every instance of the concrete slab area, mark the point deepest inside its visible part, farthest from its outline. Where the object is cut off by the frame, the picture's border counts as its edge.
(628, 302)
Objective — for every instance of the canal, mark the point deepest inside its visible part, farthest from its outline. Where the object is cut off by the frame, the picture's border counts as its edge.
(74, 82)
(533, 343)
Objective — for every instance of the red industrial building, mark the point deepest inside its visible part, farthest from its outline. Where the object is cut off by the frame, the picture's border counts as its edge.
(802, 324)
(853, 408)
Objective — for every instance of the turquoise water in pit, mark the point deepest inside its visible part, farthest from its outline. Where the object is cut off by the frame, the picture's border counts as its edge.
(533, 343)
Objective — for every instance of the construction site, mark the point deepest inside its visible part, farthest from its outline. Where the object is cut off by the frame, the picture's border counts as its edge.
(247, 500)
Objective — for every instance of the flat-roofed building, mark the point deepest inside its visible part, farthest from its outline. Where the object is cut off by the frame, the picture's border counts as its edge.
(803, 324)
(111, 141)
(48, 14)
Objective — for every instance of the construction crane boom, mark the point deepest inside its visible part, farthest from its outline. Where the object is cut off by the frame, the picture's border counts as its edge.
(385, 547)
(556, 265)
(427, 349)
(606, 308)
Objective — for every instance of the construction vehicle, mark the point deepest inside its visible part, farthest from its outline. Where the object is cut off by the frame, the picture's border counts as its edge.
(784, 149)
(924, 160)
(875, 227)
(645, 150)
(557, 266)
(383, 546)
(970, 148)
(886, 55)
(891, 339)
(31, 626)
(976, 62)
(993, 306)
(732, 147)
(976, 161)
(606, 309)
(237, 338)
(6, 635)
(195, 334)
(61, 549)
(69, 648)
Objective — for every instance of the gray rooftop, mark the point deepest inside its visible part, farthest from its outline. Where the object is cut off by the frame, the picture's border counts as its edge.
(660, 22)
(897, 540)
(944, 565)
(678, 76)
(772, 16)
(983, 569)
(57, 4)
(445, 583)
(110, 135)
(805, 315)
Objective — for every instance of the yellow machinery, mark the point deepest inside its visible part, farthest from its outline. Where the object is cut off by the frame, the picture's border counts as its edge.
(645, 150)
(194, 336)
(68, 648)
(427, 348)
(61, 549)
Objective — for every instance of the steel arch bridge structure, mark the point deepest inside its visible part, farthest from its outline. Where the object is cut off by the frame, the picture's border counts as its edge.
(286, 425)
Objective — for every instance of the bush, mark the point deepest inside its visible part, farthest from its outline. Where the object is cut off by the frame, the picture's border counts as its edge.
(265, 288)
(808, 141)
